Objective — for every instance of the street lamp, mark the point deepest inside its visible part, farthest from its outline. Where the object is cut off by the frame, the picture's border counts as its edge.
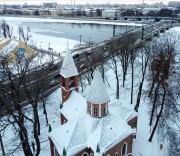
(80, 39)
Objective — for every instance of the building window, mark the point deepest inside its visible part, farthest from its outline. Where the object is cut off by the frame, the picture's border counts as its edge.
(91, 154)
(107, 154)
(124, 149)
(85, 154)
(116, 154)
(103, 111)
(95, 112)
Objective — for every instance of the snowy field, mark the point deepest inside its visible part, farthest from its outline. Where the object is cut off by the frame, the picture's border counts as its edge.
(141, 146)
(42, 41)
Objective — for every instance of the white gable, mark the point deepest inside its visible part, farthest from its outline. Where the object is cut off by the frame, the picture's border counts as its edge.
(74, 107)
(68, 68)
(97, 92)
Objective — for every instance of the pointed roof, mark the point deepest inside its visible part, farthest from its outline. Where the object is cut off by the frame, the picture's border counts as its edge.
(68, 68)
(97, 93)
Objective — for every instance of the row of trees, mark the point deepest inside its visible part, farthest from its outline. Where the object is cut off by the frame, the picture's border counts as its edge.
(153, 62)
(16, 91)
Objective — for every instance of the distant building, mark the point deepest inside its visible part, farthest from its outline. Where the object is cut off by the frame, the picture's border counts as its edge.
(50, 5)
(109, 14)
(175, 4)
(147, 10)
(90, 126)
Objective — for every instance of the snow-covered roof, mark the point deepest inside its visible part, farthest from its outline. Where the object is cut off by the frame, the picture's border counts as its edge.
(74, 107)
(68, 68)
(123, 112)
(88, 132)
(97, 92)
(8, 48)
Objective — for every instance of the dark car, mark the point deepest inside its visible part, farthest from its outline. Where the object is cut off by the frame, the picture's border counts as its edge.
(54, 66)
(57, 76)
(76, 57)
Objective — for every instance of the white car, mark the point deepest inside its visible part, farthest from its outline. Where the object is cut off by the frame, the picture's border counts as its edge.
(106, 54)
(54, 82)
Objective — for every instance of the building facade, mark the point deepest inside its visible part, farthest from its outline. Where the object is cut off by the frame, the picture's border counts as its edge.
(91, 126)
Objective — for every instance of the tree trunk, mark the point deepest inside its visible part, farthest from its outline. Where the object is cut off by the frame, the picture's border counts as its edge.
(132, 81)
(2, 146)
(44, 108)
(117, 82)
(154, 104)
(140, 87)
(152, 86)
(158, 117)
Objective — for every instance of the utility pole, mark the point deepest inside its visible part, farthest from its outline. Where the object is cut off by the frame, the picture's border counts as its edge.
(114, 30)
(80, 39)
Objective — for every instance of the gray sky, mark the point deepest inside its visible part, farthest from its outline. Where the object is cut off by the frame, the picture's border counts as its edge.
(82, 1)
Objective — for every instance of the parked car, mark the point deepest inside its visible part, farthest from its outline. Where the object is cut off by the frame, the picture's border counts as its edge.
(54, 66)
(57, 76)
(76, 57)
(106, 54)
(47, 65)
(54, 82)
(82, 66)
(89, 52)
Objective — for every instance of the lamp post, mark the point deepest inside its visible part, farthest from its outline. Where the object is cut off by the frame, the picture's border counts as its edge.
(80, 39)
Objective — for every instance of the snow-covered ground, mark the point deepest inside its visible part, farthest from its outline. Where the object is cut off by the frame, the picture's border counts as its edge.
(141, 145)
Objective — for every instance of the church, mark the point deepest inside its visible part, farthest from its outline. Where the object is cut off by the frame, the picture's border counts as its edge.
(90, 125)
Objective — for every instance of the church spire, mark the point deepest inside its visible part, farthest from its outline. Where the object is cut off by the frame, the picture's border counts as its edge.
(68, 68)
(69, 76)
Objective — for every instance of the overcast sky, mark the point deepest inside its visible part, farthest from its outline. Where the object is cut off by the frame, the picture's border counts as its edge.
(82, 1)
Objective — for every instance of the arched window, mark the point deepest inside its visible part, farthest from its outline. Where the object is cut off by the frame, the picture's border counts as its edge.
(124, 149)
(91, 154)
(85, 154)
(116, 154)
(95, 112)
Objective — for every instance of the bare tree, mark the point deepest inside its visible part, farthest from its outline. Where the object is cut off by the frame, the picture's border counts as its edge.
(24, 34)
(16, 92)
(6, 29)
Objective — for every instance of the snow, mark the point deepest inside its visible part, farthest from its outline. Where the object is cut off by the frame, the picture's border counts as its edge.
(68, 68)
(74, 107)
(141, 147)
(97, 93)
(8, 48)
(43, 41)
(88, 132)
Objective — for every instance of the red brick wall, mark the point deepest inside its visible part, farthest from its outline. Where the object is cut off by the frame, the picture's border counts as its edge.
(63, 119)
(65, 84)
(118, 147)
(65, 95)
(133, 122)
(87, 150)
(51, 147)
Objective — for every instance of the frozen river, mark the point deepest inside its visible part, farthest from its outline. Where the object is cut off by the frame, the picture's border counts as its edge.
(57, 32)
(88, 31)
